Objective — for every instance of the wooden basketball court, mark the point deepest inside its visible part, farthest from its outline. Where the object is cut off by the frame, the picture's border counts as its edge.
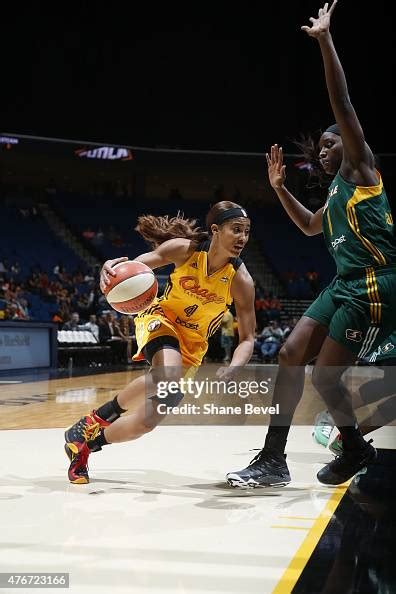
(157, 515)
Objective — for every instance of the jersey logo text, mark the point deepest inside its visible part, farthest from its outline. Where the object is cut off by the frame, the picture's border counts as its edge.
(190, 310)
(190, 285)
(355, 335)
(337, 241)
(186, 324)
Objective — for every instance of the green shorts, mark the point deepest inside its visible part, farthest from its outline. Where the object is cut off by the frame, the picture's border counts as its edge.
(385, 354)
(359, 312)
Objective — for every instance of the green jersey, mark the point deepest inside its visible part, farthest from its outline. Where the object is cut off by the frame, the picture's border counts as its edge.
(358, 226)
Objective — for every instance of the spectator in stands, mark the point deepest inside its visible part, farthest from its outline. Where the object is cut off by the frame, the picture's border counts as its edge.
(274, 307)
(106, 327)
(83, 304)
(269, 341)
(110, 333)
(91, 326)
(313, 280)
(73, 323)
(261, 305)
(127, 329)
(288, 327)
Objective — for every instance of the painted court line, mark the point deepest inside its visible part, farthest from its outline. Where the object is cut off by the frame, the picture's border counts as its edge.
(300, 559)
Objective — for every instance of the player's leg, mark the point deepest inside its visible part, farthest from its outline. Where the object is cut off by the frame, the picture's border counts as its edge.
(89, 426)
(269, 466)
(166, 367)
(334, 358)
(358, 327)
(371, 391)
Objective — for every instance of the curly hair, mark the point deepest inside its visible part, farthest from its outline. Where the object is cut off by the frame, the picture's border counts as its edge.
(157, 229)
(309, 146)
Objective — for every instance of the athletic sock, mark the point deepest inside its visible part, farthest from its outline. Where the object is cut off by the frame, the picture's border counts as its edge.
(96, 444)
(352, 438)
(110, 411)
(276, 438)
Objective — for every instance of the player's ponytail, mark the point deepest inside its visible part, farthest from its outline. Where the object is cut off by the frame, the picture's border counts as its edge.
(156, 230)
(310, 152)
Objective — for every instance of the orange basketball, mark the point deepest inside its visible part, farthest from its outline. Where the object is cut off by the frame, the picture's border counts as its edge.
(133, 289)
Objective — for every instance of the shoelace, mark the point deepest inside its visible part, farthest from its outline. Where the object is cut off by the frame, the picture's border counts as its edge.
(90, 431)
(256, 458)
(260, 457)
(326, 430)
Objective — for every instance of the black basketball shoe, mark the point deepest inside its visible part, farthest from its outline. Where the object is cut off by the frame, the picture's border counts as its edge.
(347, 464)
(267, 469)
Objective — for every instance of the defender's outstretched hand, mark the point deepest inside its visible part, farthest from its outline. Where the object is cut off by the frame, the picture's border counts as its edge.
(276, 169)
(321, 24)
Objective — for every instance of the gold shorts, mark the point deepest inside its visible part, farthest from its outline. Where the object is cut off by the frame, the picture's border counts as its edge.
(150, 326)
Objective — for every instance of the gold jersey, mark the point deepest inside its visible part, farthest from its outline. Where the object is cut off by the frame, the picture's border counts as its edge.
(193, 304)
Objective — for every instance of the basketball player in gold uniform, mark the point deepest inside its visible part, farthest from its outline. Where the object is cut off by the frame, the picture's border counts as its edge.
(172, 334)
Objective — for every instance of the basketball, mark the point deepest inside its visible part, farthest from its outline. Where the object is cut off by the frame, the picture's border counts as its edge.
(133, 289)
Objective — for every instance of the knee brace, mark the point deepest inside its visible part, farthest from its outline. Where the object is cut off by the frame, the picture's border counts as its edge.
(171, 400)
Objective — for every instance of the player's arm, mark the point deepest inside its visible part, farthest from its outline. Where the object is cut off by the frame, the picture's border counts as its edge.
(173, 251)
(310, 223)
(356, 151)
(242, 291)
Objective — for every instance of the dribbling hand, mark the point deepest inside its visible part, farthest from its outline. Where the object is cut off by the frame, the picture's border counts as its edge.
(321, 25)
(107, 271)
(276, 169)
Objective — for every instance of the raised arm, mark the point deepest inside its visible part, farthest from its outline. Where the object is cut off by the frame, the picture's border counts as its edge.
(310, 223)
(357, 154)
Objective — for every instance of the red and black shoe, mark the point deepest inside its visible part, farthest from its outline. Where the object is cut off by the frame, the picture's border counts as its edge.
(86, 429)
(78, 469)
(76, 437)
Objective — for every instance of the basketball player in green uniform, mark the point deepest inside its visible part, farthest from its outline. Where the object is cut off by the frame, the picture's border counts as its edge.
(357, 311)
(371, 391)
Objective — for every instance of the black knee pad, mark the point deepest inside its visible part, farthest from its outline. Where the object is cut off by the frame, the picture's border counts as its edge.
(171, 400)
(161, 342)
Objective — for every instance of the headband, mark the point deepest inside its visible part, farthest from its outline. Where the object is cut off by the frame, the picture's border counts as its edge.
(231, 213)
